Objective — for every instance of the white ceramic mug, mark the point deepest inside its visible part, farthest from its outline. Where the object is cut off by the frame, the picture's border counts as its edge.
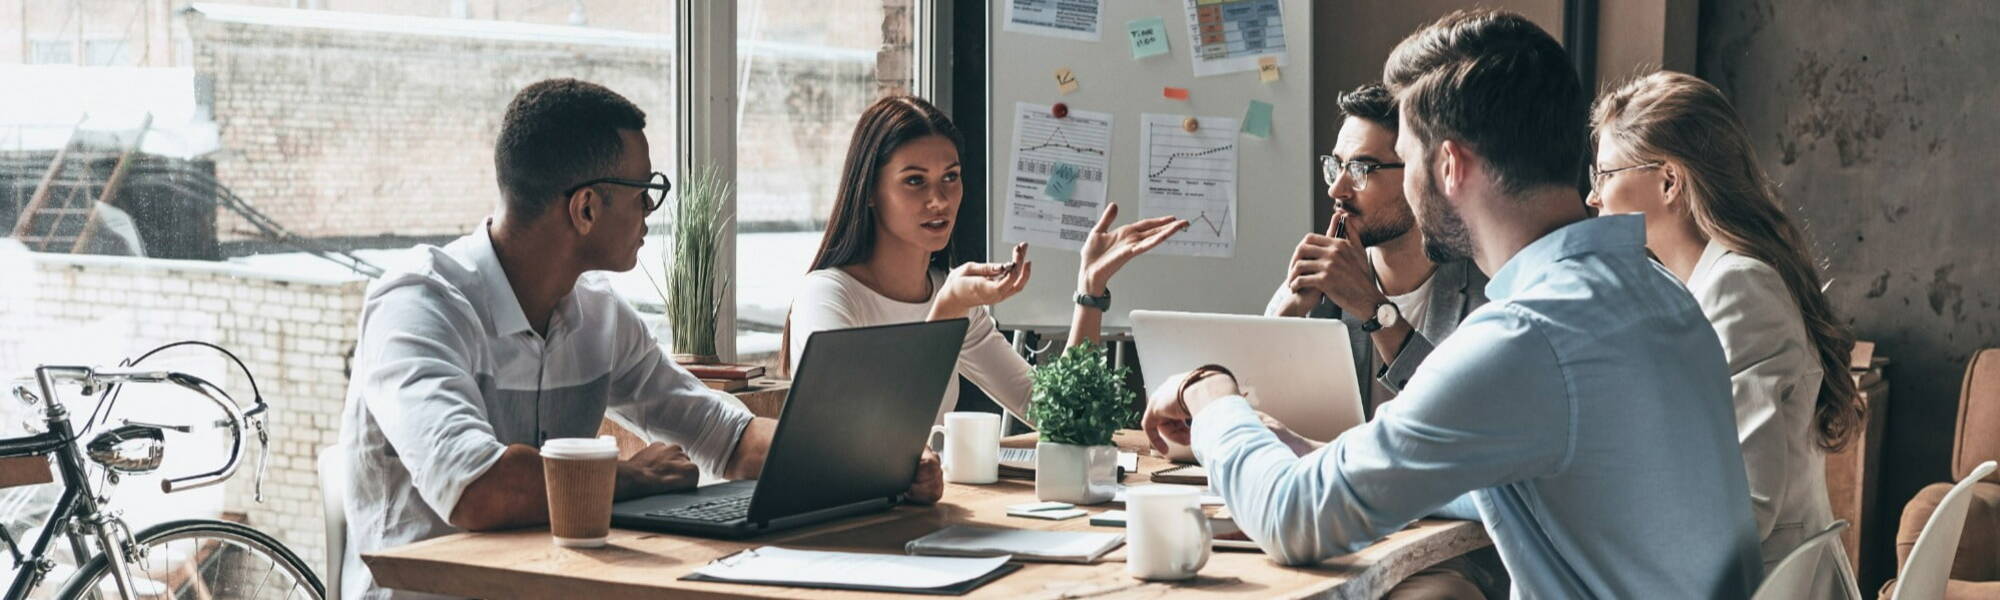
(970, 448)
(1166, 533)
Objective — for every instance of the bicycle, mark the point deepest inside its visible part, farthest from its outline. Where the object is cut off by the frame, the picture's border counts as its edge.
(190, 558)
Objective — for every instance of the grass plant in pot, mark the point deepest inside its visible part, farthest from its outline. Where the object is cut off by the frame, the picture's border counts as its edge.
(1078, 402)
(695, 224)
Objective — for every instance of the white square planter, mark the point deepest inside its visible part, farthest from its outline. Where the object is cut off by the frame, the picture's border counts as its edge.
(1075, 474)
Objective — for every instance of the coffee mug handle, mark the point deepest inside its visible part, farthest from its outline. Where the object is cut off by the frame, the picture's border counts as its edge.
(1201, 544)
(935, 441)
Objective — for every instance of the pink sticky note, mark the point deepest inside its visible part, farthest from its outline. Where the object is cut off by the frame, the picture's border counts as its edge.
(1174, 93)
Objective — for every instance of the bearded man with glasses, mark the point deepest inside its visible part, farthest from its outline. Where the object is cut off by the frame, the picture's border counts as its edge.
(1369, 268)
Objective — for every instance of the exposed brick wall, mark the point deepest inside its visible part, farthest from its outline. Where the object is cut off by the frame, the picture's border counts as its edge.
(293, 333)
(351, 133)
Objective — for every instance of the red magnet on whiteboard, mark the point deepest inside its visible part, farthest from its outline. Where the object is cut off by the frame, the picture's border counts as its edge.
(1060, 110)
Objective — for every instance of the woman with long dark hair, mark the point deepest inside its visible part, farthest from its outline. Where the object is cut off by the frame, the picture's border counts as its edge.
(887, 254)
(1670, 146)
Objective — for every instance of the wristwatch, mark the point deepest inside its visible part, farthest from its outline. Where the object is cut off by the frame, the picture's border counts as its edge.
(1101, 303)
(1386, 315)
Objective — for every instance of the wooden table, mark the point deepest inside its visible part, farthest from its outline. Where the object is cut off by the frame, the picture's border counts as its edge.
(637, 564)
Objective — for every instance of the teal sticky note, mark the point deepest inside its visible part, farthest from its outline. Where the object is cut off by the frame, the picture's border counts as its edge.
(1062, 182)
(1257, 122)
(1149, 36)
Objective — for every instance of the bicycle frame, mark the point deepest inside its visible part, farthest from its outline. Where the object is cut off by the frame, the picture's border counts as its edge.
(74, 502)
(77, 512)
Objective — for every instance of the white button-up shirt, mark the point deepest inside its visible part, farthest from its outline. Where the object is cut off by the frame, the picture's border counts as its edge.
(448, 372)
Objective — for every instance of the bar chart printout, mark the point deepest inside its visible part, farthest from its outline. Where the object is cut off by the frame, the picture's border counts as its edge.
(1076, 146)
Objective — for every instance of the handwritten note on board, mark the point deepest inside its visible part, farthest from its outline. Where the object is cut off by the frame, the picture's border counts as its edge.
(1149, 36)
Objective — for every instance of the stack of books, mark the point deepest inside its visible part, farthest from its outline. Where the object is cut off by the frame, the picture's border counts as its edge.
(726, 377)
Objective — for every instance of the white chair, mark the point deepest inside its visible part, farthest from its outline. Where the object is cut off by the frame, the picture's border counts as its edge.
(1929, 567)
(1802, 570)
(333, 505)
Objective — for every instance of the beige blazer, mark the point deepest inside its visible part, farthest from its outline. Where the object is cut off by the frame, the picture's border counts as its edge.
(1774, 379)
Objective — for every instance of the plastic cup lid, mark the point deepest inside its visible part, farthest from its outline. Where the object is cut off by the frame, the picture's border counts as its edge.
(600, 447)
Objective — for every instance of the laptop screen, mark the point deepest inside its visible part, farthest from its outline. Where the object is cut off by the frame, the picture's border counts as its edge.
(861, 405)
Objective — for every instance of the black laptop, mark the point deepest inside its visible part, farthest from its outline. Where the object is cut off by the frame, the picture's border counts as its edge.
(861, 405)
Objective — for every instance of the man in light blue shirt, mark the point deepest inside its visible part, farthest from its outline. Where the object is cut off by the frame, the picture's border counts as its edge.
(1586, 409)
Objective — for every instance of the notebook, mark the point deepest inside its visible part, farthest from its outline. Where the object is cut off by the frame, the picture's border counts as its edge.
(1023, 544)
(771, 565)
(1183, 475)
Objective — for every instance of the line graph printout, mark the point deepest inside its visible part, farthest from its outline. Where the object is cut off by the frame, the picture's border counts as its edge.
(1042, 141)
(1191, 175)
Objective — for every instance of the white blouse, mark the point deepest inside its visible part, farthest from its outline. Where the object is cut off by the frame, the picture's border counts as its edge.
(832, 299)
(1774, 378)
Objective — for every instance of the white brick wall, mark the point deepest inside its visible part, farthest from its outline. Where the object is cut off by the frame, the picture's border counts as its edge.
(293, 333)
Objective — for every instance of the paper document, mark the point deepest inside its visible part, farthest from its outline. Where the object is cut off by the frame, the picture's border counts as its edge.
(1067, 19)
(1208, 498)
(1022, 544)
(853, 570)
(1073, 152)
(1230, 35)
(1191, 175)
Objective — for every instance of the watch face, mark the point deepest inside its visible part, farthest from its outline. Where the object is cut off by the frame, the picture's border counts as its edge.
(1386, 314)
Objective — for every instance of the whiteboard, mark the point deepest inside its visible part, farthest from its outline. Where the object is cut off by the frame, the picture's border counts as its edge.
(1274, 179)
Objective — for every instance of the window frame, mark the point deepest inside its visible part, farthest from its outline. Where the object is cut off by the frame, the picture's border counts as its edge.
(706, 93)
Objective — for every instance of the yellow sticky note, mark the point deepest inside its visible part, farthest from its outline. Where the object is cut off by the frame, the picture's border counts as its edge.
(1065, 80)
(1267, 69)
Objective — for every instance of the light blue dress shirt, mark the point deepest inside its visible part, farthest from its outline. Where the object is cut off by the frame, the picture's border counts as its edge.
(1586, 409)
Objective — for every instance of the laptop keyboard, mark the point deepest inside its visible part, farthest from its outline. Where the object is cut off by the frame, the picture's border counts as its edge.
(717, 511)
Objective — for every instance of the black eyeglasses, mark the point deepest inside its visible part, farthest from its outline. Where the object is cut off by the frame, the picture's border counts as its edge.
(1597, 177)
(1357, 170)
(656, 187)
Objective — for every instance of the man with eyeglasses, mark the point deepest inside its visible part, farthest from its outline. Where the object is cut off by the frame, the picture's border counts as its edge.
(483, 349)
(1369, 269)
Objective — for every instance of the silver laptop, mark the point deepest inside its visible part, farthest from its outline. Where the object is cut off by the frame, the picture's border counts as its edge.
(1299, 371)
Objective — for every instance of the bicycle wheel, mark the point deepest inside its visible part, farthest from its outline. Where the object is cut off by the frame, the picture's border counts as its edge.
(201, 558)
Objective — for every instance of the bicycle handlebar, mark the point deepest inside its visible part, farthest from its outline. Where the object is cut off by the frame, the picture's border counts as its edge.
(88, 377)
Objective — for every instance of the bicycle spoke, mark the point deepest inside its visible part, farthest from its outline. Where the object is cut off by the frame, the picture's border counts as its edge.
(259, 593)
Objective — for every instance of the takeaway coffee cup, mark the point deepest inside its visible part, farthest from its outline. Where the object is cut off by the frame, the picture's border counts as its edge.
(1166, 533)
(971, 448)
(581, 474)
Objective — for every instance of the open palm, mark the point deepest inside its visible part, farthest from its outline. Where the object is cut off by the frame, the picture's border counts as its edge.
(1106, 249)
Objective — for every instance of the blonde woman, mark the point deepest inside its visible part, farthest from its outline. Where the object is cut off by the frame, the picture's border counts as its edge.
(1670, 146)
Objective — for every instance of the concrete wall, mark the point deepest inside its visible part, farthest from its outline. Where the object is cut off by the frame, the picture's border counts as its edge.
(295, 334)
(1877, 119)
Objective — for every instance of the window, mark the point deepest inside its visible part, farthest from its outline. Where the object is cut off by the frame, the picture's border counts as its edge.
(52, 52)
(107, 53)
(280, 152)
(807, 69)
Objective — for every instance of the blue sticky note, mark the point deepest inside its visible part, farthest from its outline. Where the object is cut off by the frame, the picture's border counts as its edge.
(1149, 36)
(1062, 182)
(1257, 122)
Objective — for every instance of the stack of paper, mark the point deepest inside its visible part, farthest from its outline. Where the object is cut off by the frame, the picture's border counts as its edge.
(771, 565)
(1019, 463)
(1045, 546)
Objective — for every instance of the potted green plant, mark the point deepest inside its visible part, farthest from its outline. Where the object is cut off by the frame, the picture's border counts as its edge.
(695, 224)
(1078, 402)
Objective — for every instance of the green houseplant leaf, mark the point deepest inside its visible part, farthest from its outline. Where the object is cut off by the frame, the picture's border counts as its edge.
(695, 223)
(1079, 399)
